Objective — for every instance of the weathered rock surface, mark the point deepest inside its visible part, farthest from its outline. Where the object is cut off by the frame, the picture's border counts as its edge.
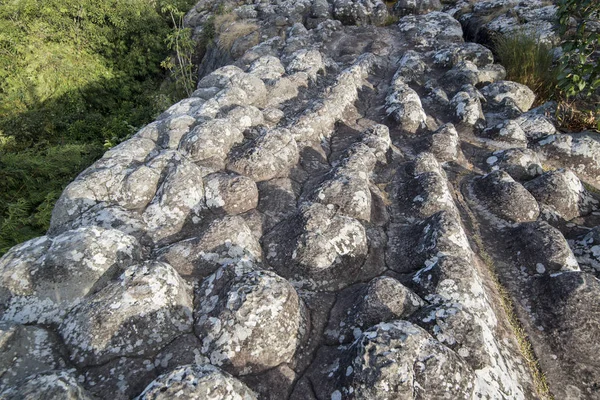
(248, 320)
(341, 210)
(51, 386)
(197, 382)
(148, 306)
(505, 198)
(382, 366)
(563, 193)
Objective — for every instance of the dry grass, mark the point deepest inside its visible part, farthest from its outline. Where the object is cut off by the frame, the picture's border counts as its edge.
(575, 115)
(229, 29)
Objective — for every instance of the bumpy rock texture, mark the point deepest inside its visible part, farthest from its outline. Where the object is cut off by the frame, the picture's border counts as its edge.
(341, 210)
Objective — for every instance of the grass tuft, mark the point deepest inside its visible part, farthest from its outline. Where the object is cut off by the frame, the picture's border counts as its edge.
(229, 29)
(528, 61)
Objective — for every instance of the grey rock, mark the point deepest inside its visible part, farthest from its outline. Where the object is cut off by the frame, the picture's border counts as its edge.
(505, 198)
(522, 96)
(307, 61)
(542, 249)
(25, 351)
(467, 107)
(249, 320)
(183, 351)
(179, 199)
(230, 193)
(567, 308)
(444, 143)
(313, 247)
(120, 379)
(52, 386)
(319, 121)
(579, 153)
(224, 241)
(406, 7)
(412, 68)
(371, 375)
(136, 315)
(409, 247)
(453, 54)
(267, 68)
(198, 382)
(358, 308)
(360, 12)
(271, 155)
(278, 199)
(563, 193)
(520, 164)
(68, 267)
(404, 106)
(587, 251)
(508, 131)
(431, 29)
(427, 192)
(535, 126)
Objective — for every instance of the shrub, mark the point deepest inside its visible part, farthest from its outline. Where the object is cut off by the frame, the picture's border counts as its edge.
(580, 70)
(180, 41)
(579, 77)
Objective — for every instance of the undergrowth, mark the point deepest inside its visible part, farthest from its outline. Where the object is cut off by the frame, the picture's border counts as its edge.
(30, 183)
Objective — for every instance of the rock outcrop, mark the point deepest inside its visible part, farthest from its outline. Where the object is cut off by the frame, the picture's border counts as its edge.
(354, 204)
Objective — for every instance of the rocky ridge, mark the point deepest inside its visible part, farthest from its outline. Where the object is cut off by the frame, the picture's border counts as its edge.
(351, 205)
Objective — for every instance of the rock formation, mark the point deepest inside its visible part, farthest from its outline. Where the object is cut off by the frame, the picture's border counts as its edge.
(353, 204)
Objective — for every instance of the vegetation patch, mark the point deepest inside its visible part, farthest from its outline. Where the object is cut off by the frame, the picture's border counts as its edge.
(77, 77)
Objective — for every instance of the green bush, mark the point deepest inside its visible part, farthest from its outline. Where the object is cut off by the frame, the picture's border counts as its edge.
(579, 77)
(580, 70)
(528, 61)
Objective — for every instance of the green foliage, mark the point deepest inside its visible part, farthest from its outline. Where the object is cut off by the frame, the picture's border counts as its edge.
(71, 67)
(76, 77)
(30, 183)
(580, 70)
(528, 61)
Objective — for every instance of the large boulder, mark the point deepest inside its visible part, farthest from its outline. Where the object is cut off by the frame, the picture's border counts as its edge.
(147, 307)
(521, 95)
(271, 155)
(563, 194)
(542, 249)
(51, 386)
(317, 247)
(520, 164)
(249, 320)
(406, 7)
(360, 307)
(224, 241)
(566, 307)
(400, 360)
(27, 350)
(505, 198)
(43, 279)
(360, 12)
